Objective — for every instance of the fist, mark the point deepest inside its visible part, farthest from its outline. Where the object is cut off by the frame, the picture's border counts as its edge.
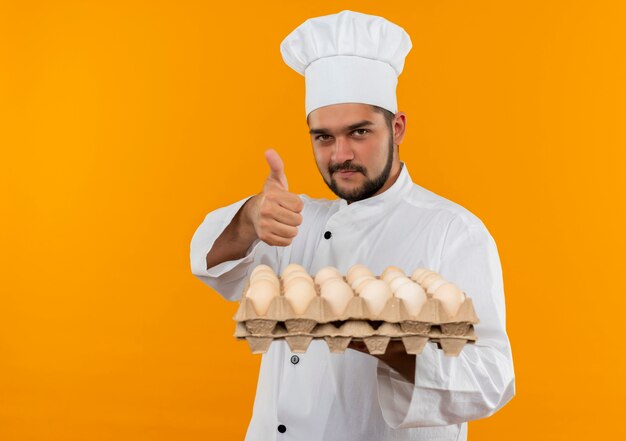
(276, 215)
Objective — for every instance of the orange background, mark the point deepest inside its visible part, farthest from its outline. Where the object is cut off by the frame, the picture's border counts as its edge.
(123, 123)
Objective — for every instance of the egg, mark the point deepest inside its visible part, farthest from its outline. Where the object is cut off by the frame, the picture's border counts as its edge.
(299, 294)
(291, 268)
(295, 274)
(422, 276)
(429, 279)
(434, 286)
(298, 278)
(327, 273)
(357, 265)
(337, 293)
(397, 282)
(375, 295)
(418, 273)
(265, 276)
(357, 271)
(391, 269)
(413, 296)
(451, 297)
(358, 284)
(263, 272)
(262, 268)
(331, 279)
(391, 275)
(261, 294)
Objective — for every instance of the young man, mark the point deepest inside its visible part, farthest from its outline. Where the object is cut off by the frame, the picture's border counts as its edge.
(351, 62)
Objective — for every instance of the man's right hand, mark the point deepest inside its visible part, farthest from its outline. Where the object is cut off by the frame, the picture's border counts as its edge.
(272, 216)
(275, 212)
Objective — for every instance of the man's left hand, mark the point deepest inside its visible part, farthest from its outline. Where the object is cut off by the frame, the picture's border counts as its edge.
(395, 357)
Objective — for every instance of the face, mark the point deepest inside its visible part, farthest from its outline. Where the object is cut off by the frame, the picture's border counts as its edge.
(354, 149)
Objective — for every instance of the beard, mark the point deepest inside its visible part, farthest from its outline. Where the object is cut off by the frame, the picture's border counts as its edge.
(369, 187)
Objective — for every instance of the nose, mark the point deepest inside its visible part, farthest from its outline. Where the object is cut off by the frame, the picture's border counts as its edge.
(341, 151)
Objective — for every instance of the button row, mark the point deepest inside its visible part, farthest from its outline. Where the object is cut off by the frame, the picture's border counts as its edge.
(294, 360)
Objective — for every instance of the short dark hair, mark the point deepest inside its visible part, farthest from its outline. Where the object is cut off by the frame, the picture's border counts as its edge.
(386, 114)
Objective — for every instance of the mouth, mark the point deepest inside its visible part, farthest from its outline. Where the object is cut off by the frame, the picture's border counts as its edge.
(346, 172)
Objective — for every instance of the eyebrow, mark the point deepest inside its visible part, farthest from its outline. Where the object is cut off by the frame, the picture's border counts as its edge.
(347, 129)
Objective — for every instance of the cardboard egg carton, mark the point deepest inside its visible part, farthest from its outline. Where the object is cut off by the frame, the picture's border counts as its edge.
(338, 336)
(356, 323)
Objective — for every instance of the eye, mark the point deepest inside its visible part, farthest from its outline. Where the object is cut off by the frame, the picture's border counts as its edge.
(361, 132)
(322, 138)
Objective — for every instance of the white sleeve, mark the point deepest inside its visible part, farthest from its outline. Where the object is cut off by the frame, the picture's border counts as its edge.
(480, 380)
(228, 277)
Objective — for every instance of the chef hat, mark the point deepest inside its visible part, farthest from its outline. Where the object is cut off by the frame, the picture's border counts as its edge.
(348, 57)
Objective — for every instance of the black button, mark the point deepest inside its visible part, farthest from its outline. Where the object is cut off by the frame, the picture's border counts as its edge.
(328, 235)
(282, 429)
(295, 359)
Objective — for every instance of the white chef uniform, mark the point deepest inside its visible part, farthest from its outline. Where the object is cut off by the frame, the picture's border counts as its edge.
(320, 396)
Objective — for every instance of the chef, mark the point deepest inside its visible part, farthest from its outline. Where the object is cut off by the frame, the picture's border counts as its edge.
(351, 63)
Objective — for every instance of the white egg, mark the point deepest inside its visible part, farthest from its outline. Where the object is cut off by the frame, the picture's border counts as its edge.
(375, 295)
(391, 269)
(262, 268)
(298, 279)
(337, 293)
(299, 294)
(357, 265)
(293, 267)
(327, 273)
(357, 271)
(413, 297)
(331, 279)
(296, 274)
(392, 275)
(451, 298)
(261, 294)
(265, 276)
(429, 279)
(418, 273)
(356, 283)
(397, 282)
(434, 286)
(422, 276)
(263, 272)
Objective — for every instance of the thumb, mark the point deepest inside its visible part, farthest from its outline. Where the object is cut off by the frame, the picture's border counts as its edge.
(277, 169)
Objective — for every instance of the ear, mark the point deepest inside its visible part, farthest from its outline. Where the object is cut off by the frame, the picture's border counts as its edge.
(399, 127)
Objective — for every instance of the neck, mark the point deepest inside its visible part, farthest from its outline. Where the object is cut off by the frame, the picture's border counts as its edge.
(393, 177)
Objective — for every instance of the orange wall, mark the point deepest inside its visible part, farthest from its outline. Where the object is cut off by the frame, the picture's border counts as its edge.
(123, 123)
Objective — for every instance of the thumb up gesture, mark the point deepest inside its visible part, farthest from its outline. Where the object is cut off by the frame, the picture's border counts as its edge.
(276, 215)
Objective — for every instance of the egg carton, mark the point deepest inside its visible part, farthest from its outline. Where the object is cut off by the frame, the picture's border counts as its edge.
(319, 312)
(339, 335)
(356, 323)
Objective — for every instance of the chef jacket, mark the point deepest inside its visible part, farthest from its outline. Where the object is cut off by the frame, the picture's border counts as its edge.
(322, 396)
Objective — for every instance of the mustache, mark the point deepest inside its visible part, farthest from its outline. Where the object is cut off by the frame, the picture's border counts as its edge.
(346, 166)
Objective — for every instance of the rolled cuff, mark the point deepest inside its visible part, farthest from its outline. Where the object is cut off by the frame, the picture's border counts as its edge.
(227, 277)
(447, 390)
